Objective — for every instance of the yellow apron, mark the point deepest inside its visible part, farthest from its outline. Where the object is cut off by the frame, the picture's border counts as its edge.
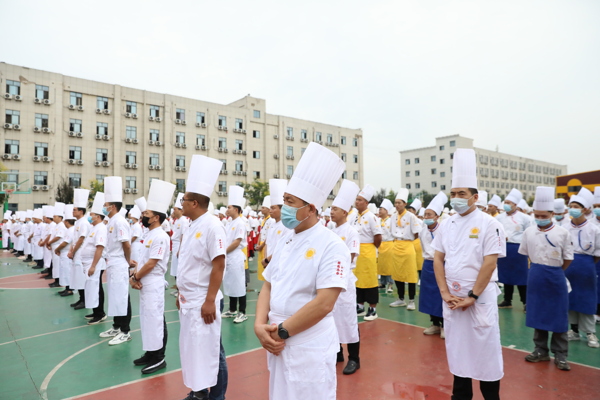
(261, 256)
(385, 261)
(405, 262)
(419, 251)
(245, 251)
(366, 267)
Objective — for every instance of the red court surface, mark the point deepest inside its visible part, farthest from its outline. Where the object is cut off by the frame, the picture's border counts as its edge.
(29, 281)
(397, 362)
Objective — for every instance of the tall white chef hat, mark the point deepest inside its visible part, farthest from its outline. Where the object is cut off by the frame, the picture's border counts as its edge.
(80, 198)
(211, 208)
(483, 199)
(559, 205)
(98, 203)
(523, 205)
(277, 189)
(203, 175)
(29, 214)
(464, 169)
(416, 204)
(346, 195)
(495, 201)
(373, 208)
(236, 196)
(135, 212)
(582, 198)
(113, 189)
(266, 202)
(367, 192)
(141, 203)
(544, 199)
(316, 174)
(587, 194)
(160, 196)
(59, 209)
(178, 202)
(402, 195)
(387, 204)
(514, 195)
(437, 204)
(123, 212)
(48, 211)
(597, 195)
(223, 211)
(69, 211)
(327, 212)
(38, 213)
(421, 212)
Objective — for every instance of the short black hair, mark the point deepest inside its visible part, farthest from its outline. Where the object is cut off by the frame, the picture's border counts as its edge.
(161, 216)
(473, 191)
(411, 207)
(238, 208)
(202, 200)
(70, 221)
(117, 205)
(80, 209)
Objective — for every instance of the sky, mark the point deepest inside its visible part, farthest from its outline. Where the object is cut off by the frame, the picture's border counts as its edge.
(520, 75)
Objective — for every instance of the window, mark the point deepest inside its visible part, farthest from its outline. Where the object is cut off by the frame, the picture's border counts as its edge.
(42, 92)
(224, 165)
(13, 87)
(433, 171)
(222, 143)
(200, 118)
(40, 178)
(180, 161)
(222, 121)
(417, 160)
(355, 175)
(442, 161)
(13, 176)
(75, 152)
(101, 128)
(452, 143)
(154, 111)
(442, 174)
(256, 154)
(11, 146)
(222, 186)
(75, 125)
(130, 157)
(343, 140)
(408, 185)
(130, 182)
(180, 185)
(256, 114)
(239, 123)
(154, 159)
(179, 113)
(150, 181)
(41, 149)
(290, 132)
(102, 103)
(302, 150)
(303, 134)
(417, 173)
(201, 140)
(101, 154)
(239, 166)
(41, 120)
(290, 151)
(239, 144)
(154, 134)
(131, 132)
(417, 185)
(442, 148)
(355, 142)
(344, 174)
(407, 174)
(329, 138)
(256, 134)
(256, 174)
(452, 156)
(433, 184)
(131, 107)
(76, 99)
(343, 157)
(355, 158)
(100, 179)
(407, 161)
(432, 158)
(443, 187)
(75, 180)
(290, 170)
(180, 137)
(12, 117)
(318, 136)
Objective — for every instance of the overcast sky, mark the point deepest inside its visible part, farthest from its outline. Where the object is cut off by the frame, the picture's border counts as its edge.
(520, 75)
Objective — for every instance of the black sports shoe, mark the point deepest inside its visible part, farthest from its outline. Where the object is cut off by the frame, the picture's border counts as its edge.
(96, 320)
(143, 360)
(77, 302)
(505, 304)
(79, 306)
(89, 316)
(155, 366)
(66, 293)
(54, 284)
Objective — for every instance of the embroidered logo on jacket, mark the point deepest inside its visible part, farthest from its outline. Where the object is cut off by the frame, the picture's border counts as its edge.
(310, 253)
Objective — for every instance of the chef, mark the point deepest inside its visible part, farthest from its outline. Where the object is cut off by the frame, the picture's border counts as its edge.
(385, 259)
(81, 230)
(493, 205)
(265, 225)
(36, 250)
(467, 248)
(179, 225)
(136, 233)
(277, 229)
(308, 271)
(561, 216)
(62, 251)
(57, 233)
(416, 208)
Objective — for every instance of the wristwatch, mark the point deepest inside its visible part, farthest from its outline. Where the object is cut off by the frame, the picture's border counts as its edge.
(282, 332)
(473, 295)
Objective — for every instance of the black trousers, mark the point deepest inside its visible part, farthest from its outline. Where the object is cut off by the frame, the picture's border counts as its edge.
(412, 290)
(370, 295)
(437, 321)
(122, 322)
(99, 311)
(353, 350)
(463, 389)
(233, 302)
(159, 355)
(510, 289)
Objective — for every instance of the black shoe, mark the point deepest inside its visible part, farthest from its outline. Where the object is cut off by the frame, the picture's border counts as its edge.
(37, 267)
(505, 304)
(351, 367)
(96, 320)
(61, 292)
(66, 293)
(155, 366)
(89, 316)
(48, 277)
(45, 271)
(54, 284)
(76, 303)
(79, 306)
(197, 396)
(143, 360)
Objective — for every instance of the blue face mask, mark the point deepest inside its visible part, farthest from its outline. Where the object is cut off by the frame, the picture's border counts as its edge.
(543, 222)
(288, 216)
(597, 212)
(460, 205)
(507, 208)
(429, 222)
(559, 217)
(104, 211)
(90, 219)
(575, 212)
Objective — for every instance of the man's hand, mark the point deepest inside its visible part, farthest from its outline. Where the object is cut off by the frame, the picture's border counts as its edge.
(133, 264)
(450, 299)
(208, 312)
(91, 270)
(57, 252)
(177, 303)
(137, 285)
(70, 254)
(264, 264)
(463, 303)
(269, 339)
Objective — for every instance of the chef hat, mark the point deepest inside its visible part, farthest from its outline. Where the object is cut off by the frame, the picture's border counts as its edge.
(402, 195)
(6, 215)
(178, 202)
(597, 195)
(236, 196)
(515, 196)
(464, 169)
(421, 212)
(559, 205)
(29, 214)
(589, 196)
(544, 199)
(266, 202)
(416, 204)
(22, 215)
(367, 192)
(113, 189)
(387, 204)
(135, 212)
(582, 198)
(38, 213)
(123, 212)
(483, 198)
(211, 207)
(495, 201)
(59, 209)
(437, 204)
(243, 202)
(216, 212)
(48, 211)
(523, 205)
(141, 203)
(327, 212)
(222, 210)
(80, 198)
(160, 196)
(373, 208)
(98, 203)
(277, 189)
(346, 195)
(203, 175)
(316, 174)
(69, 211)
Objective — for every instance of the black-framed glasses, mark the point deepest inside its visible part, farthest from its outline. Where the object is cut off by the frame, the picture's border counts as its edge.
(184, 199)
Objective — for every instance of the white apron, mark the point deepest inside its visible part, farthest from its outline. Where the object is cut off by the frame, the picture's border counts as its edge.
(65, 270)
(199, 347)
(344, 313)
(37, 251)
(27, 249)
(234, 278)
(55, 265)
(92, 286)
(20, 245)
(5, 238)
(174, 259)
(77, 275)
(117, 277)
(152, 310)
(473, 336)
(47, 257)
(136, 251)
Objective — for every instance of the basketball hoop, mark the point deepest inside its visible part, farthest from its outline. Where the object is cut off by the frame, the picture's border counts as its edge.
(9, 191)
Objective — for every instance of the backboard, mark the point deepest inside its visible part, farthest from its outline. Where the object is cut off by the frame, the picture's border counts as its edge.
(15, 181)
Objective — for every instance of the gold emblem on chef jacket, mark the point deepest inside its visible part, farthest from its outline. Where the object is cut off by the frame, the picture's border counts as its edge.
(310, 253)
(198, 235)
(474, 233)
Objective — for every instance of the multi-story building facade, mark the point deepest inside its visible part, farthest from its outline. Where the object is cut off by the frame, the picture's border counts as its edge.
(430, 169)
(58, 126)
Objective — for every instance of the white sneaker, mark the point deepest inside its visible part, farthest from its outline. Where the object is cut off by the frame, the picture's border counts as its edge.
(411, 305)
(419, 283)
(240, 318)
(120, 338)
(229, 314)
(442, 334)
(398, 303)
(360, 312)
(592, 340)
(390, 288)
(432, 330)
(571, 336)
(110, 333)
(371, 315)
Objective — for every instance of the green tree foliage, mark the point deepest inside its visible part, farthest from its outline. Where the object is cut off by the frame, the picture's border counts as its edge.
(95, 187)
(64, 191)
(383, 194)
(255, 192)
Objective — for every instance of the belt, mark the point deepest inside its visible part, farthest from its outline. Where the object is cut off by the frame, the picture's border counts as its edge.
(402, 240)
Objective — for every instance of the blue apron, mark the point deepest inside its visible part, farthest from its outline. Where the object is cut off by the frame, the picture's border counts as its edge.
(598, 280)
(513, 269)
(547, 299)
(582, 276)
(430, 299)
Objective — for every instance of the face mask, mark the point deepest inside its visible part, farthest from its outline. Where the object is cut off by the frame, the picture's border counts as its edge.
(543, 222)
(559, 217)
(575, 212)
(507, 208)
(288, 216)
(459, 205)
(146, 222)
(90, 219)
(597, 212)
(130, 221)
(104, 211)
(429, 222)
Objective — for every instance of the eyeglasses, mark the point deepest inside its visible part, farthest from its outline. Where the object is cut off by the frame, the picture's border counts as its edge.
(184, 199)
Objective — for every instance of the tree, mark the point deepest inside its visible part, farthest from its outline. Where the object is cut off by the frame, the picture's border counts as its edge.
(64, 191)
(95, 187)
(382, 194)
(255, 192)
(424, 196)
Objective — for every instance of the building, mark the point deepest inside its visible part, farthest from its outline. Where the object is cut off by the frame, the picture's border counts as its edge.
(569, 185)
(58, 126)
(430, 169)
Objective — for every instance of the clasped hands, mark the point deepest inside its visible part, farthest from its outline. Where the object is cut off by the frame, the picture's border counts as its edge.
(269, 338)
(455, 302)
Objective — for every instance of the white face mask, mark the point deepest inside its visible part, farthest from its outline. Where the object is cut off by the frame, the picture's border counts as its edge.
(460, 205)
